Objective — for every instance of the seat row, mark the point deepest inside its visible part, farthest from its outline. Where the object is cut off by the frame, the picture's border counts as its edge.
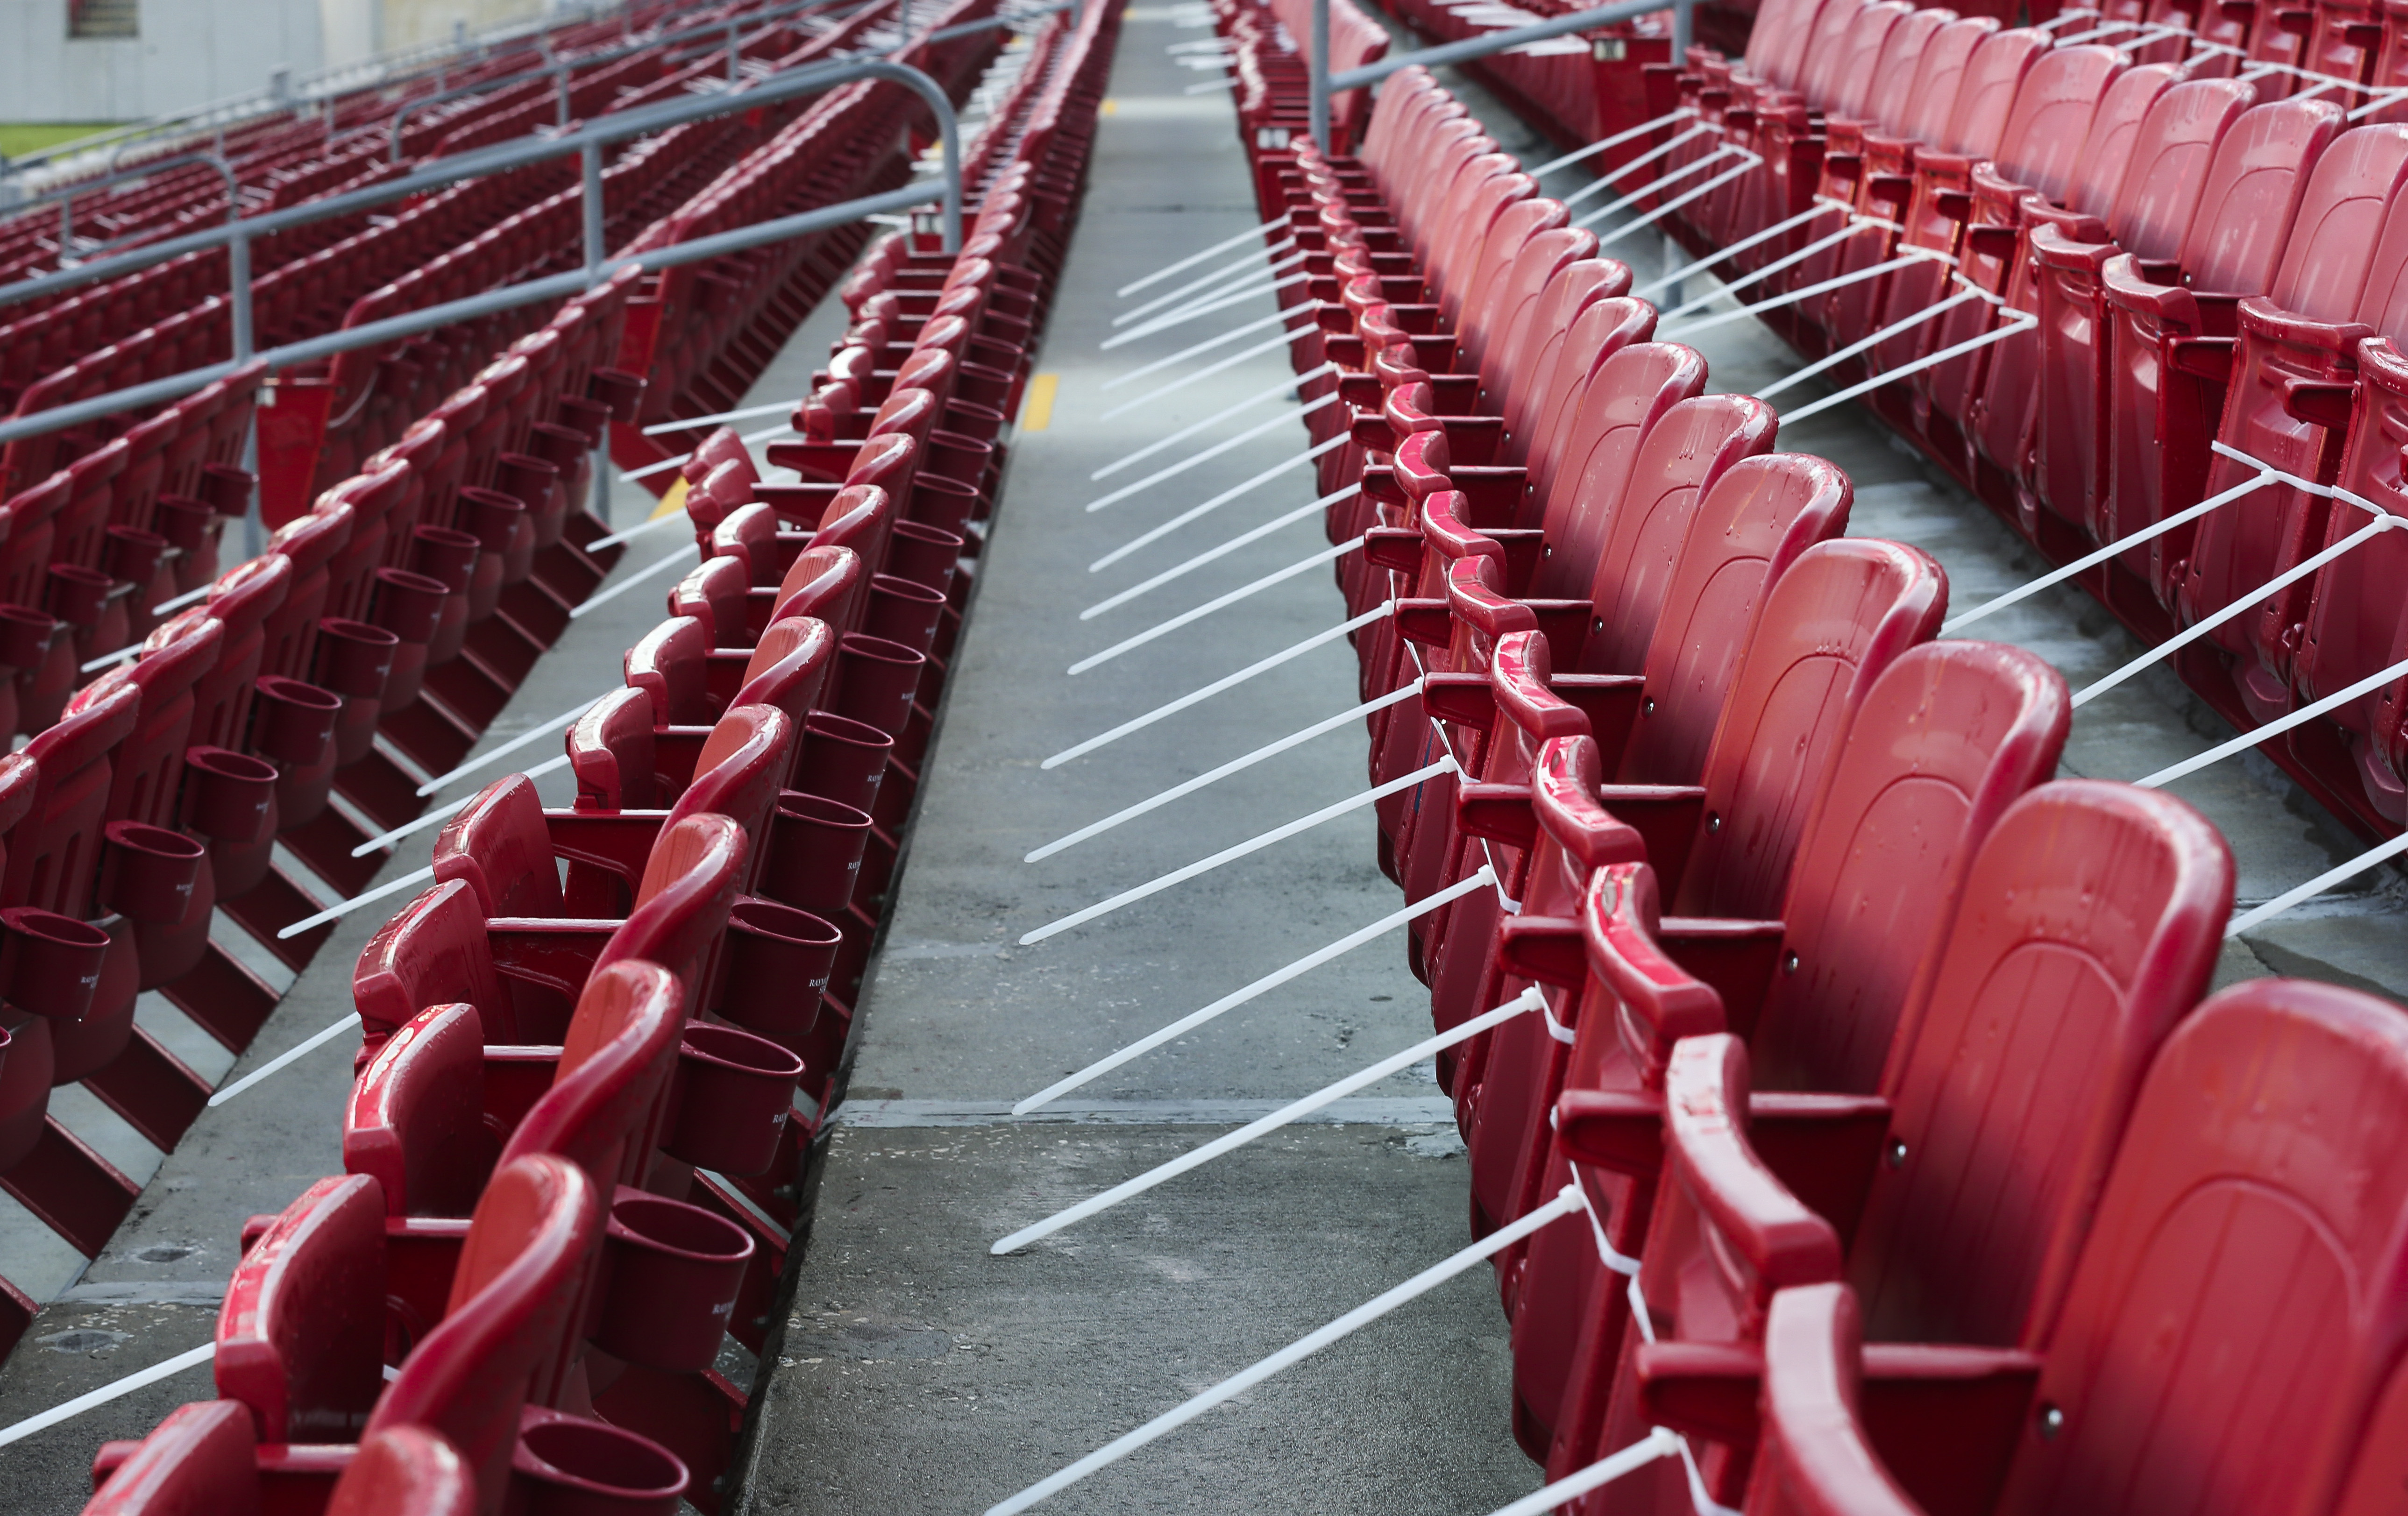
(1776, 960)
(595, 1051)
(313, 691)
(2134, 283)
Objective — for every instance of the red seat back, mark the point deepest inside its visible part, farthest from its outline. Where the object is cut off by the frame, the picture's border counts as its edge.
(603, 1110)
(1827, 630)
(415, 1118)
(528, 1250)
(1749, 527)
(300, 1338)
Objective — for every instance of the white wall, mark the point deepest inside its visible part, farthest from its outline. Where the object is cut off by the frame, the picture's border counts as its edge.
(188, 52)
(406, 23)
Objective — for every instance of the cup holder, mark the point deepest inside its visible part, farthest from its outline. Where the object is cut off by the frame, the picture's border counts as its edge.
(815, 847)
(227, 793)
(148, 873)
(733, 1094)
(673, 1276)
(25, 635)
(569, 1465)
(49, 963)
(776, 969)
(842, 759)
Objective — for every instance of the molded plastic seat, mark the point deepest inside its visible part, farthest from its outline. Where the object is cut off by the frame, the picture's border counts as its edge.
(2211, 1245)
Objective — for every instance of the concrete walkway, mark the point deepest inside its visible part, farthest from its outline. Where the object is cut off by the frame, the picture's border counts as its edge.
(918, 1373)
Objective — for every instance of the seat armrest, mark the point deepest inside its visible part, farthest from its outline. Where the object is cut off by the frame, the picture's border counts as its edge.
(1666, 816)
(1736, 957)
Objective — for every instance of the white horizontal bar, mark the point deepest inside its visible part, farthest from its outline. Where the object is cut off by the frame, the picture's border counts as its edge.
(513, 744)
(1699, 266)
(638, 577)
(1618, 139)
(2018, 323)
(648, 524)
(439, 812)
(1204, 282)
(1285, 386)
(68, 1409)
(1724, 318)
(2093, 559)
(344, 907)
(286, 1058)
(1236, 851)
(1296, 1352)
(1216, 604)
(1235, 492)
(2240, 602)
(1268, 750)
(1286, 339)
(2380, 854)
(745, 414)
(1164, 323)
(1482, 878)
(1866, 344)
(1195, 258)
(1662, 1442)
(1227, 681)
(1196, 460)
(1275, 319)
(1527, 1000)
(2274, 729)
(1251, 535)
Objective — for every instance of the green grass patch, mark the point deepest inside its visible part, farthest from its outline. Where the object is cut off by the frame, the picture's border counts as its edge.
(18, 138)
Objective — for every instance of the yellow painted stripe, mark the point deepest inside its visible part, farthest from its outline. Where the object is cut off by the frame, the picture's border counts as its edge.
(671, 503)
(1037, 406)
(1109, 107)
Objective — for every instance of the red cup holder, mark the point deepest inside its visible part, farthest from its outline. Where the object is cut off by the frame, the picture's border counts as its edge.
(673, 1275)
(942, 503)
(777, 966)
(292, 723)
(963, 459)
(733, 1091)
(354, 658)
(227, 793)
(816, 846)
(134, 554)
(183, 520)
(76, 594)
(589, 419)
(227, 490)
(446, 556)
(562, 447)
(492, 516)
(26, 636)
(408, 605)
(49, 963)
(842, 759)
(972, 419)
(527, 479)
(922, 554)
(567, 1466)
(903, 612)
(876, 681)
(148, 873)
(620, 389)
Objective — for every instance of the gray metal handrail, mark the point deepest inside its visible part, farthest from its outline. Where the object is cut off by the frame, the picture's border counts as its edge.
(65, 195)
(613, 126)
(1325, 84)
(561, 67)
(556, 286)
(589, 143)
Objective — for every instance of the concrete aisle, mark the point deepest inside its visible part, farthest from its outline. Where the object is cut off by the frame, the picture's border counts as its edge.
(918, 1373)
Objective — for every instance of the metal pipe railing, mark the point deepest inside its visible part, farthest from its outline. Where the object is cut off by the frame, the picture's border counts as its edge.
(1325, 84)
(588, 144)
(612, 127)
(66, 195)
(556, 286)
